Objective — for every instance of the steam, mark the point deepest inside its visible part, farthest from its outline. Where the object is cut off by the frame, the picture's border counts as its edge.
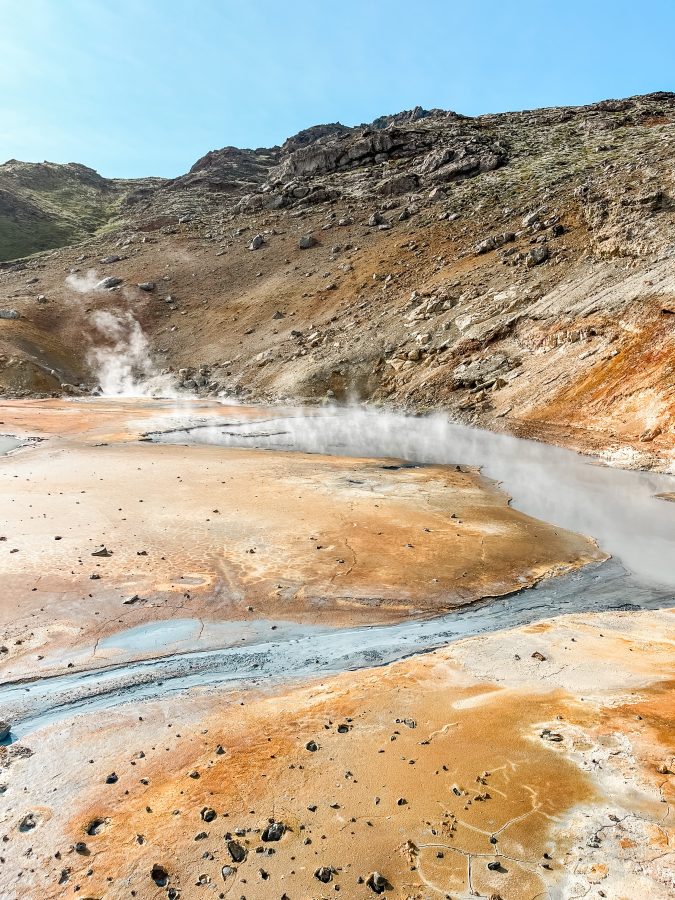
(119, 355)
(121, 358)
(614, 506)
(83, 284)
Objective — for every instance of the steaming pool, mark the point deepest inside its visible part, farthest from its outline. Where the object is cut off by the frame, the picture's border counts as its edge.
(618, 508)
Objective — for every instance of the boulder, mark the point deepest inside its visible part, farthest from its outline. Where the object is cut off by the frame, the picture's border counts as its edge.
(536, 256)
(106, 284)
(404, 183)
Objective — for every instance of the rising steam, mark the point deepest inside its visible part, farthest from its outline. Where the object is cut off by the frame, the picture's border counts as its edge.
(121, 358)
(119, 355)
(83, 284)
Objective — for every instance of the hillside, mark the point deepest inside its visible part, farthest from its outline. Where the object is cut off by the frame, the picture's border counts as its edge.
(45, 205)
(516, 269)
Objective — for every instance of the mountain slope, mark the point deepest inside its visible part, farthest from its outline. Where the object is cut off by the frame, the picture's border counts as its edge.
(45, 205)
(515, 269)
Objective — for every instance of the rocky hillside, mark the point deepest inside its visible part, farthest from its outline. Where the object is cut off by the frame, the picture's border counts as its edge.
(45, 205)
(516, 269)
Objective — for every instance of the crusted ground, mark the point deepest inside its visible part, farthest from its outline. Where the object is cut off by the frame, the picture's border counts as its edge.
(195, 532)
(529, 763)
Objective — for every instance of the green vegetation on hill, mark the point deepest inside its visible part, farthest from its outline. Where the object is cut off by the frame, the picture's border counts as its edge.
(46, 205)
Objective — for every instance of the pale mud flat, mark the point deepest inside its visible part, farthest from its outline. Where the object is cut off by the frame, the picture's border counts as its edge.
(216, 534)
(432, 771)
(529, 763)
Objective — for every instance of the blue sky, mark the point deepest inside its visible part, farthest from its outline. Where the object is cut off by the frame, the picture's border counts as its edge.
(146, 87)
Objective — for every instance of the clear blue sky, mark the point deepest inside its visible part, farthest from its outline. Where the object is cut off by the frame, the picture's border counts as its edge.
(146, 87)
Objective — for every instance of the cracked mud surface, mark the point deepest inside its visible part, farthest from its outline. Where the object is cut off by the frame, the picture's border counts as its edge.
(213, 534)
(427, 771)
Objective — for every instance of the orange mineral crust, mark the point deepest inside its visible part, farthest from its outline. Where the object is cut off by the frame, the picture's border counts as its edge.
(551, 776)
(211, 533)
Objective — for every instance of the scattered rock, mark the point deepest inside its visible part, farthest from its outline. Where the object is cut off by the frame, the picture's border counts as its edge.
(28, 822)
(536, 256)
(377, 883)
(106, 284)
(274, 831)
(237, 852)
(159, 875)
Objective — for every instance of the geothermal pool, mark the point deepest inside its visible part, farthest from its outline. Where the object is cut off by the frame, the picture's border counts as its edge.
(618, 508)
(160, 657)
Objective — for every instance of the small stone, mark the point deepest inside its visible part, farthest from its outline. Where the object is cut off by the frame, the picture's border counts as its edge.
(377, 883)
(274, 831)
(111, 281)
(27, 823)
(536, 256)
(159, 875)
(236, 851)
